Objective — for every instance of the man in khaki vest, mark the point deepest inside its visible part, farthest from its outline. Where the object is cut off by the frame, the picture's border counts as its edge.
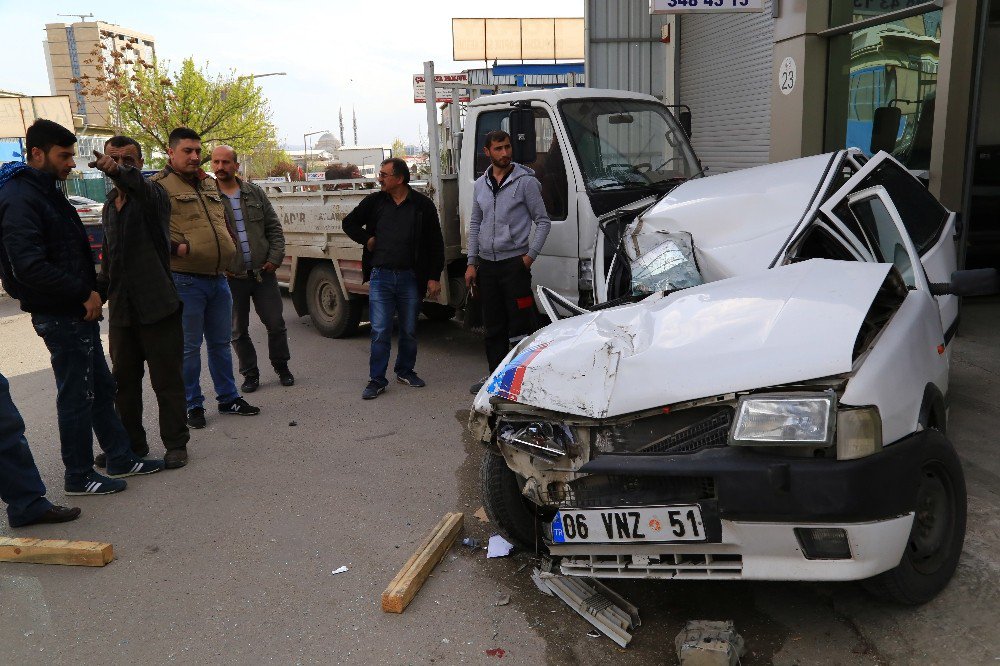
(203, 251)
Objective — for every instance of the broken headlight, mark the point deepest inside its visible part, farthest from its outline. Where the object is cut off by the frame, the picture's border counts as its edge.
(791, 419)
(859, 433)
(548, 440)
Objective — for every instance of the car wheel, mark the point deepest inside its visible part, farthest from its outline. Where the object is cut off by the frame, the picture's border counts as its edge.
(333, 315)
(514, 516)
(937, 535)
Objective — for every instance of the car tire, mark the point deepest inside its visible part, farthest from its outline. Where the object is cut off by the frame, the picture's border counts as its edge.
(333, 314)
(509, 511)
(936, 538)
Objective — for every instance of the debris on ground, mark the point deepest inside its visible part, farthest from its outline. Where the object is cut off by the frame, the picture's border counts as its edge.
(293, 423)
(595, 602)
(471, 542)
(496, 652)
(56, 551)
(481, 515)
(536, 577)
(503, 601)
(338, 570)
(499, 547)
(593, 633)
(709, 643)
(414, 573)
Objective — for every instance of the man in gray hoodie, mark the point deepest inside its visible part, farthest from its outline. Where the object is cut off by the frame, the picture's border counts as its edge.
(507, 199)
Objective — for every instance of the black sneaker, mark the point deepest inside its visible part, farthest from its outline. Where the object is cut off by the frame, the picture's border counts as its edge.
(240, 407)
(95, 484)
(410, 379)
(251, 382)
(136, 467)
(196, 418)
(373, 389)
(285, 375)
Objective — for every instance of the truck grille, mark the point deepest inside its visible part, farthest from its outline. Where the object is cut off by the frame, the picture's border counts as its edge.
(599, 490)
(683, 432)
(691, 566)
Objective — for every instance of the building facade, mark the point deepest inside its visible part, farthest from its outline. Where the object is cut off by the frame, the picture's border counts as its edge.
(74, 54)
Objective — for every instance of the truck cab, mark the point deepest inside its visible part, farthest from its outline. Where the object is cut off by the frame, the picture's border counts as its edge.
(594, 151)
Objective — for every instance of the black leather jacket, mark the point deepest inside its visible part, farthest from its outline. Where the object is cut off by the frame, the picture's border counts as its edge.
(45, 258)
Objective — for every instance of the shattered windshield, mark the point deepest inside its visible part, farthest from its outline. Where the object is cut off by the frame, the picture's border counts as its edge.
(624, 144)
(665, 263)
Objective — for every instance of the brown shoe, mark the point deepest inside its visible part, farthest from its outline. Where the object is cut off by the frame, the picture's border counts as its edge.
(175, 458)
(56, 514)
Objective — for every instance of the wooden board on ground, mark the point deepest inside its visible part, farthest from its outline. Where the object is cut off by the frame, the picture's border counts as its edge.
(414, 573)
(56, 551)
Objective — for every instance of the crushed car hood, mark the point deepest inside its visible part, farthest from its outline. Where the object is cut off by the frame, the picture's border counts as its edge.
(787, 324)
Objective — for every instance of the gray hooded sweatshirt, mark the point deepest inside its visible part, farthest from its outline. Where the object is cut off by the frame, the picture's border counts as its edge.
(501, 225)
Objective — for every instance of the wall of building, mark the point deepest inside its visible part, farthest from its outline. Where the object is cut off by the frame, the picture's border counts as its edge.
(624, 50)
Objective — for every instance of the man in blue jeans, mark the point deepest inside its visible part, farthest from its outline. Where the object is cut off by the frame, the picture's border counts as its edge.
(204, 251)
(403, 258)
(46, 263)
(21, 487)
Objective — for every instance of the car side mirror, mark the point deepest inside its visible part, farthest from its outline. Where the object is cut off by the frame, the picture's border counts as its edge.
(522, 135)
(973, 282)
(684, 118)
(885, 128)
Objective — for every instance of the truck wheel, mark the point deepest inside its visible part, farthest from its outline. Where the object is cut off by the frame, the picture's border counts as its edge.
(333, 315)
(510, 512)
(937, 535)
(437, 311)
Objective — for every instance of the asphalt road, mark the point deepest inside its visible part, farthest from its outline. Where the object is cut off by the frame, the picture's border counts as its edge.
(229, 560)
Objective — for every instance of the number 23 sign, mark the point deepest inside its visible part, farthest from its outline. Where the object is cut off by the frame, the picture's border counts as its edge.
(787, 76)
(713, 6)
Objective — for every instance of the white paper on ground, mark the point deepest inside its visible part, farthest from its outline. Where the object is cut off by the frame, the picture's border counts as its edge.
(339, 570)
(499, 547)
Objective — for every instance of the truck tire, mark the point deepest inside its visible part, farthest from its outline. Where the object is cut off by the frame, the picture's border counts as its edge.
(333, 315)
(437, 311)
(509, 511)
(937, 535)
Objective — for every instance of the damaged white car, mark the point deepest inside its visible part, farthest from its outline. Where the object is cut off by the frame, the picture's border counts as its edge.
(761, 395)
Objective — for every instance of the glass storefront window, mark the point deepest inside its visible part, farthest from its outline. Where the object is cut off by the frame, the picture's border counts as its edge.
(892, 65)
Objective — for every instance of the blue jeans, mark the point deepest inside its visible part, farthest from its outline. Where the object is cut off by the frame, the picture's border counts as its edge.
(21, 487)
(85, 394)
(208, 315)
(393, 293)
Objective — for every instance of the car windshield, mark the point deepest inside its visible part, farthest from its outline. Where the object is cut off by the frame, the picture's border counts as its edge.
(624, 144)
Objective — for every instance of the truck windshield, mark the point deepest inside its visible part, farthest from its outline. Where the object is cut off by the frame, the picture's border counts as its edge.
(625, 144)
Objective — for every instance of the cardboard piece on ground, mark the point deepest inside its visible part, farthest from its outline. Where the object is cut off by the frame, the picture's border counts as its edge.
(481, 515)
(56, 551)
(414, 573)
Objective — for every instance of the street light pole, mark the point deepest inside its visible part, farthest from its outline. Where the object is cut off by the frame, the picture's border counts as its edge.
(305, 149)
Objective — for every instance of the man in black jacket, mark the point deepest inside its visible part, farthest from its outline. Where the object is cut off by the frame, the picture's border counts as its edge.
(145, 313)
(403, 258)
(46, 263)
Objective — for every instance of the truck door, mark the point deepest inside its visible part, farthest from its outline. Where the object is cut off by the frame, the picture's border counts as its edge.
(558, 265)
(929, 225)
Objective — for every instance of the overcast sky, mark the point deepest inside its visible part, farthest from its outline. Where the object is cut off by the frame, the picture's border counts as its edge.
(359, 54)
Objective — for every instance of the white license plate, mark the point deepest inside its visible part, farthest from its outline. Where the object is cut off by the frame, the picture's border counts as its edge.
(627, 524)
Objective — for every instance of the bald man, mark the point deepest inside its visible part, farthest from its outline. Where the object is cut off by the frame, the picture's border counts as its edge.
(262, 248)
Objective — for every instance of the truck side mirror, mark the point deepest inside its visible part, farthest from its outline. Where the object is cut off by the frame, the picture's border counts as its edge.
(885, 128)
(522, 135)
(973, 282)
(684, 118)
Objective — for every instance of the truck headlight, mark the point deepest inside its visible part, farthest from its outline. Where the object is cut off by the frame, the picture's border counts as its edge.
(859, 433)
(790, 419)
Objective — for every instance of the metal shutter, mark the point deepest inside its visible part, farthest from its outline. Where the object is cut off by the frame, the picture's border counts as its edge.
(725, 77)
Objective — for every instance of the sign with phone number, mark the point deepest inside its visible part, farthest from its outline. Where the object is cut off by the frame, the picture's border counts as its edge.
(713, 6)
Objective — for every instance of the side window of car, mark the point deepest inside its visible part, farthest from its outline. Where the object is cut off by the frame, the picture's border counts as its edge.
(922, 215)
(887, 244)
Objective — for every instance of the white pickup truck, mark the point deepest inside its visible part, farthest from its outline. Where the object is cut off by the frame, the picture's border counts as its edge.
(593, 151)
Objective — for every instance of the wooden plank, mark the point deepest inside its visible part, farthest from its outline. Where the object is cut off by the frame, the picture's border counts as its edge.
(56, 551)
(414, 573)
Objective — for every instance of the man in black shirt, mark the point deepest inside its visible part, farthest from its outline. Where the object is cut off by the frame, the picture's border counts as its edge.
(403, 258)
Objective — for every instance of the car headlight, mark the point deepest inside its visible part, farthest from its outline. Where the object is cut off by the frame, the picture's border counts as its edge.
(790, 419)
(859, 433)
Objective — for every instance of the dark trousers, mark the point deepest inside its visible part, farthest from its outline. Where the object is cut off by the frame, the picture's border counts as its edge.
(508, 306)
(21, 487)
(85, 394)
(266, 299)
(160, 346)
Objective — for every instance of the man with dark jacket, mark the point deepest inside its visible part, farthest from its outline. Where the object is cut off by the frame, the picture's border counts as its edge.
(260, 250)
(403, 258)
(203, 252)
(46, 263)
(507, 200)
(145, 313)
